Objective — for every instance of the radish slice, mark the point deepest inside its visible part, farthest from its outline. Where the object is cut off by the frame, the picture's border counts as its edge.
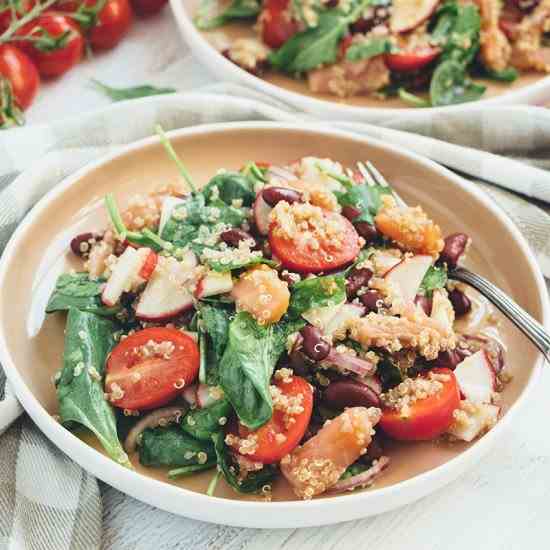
(261, 212)
(320, 317)
(407, 276)
(339, 322)
(214, 283)
(476, 378)
(478, 419)
(409, 14)
(363, 479)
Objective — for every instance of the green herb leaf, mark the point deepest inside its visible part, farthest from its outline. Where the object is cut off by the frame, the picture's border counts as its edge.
(450, 85)
(214, 322)
(412, 99)
(370, 48)
(506, 75)
(88, 340)
(202, 423)
(316, 292)
(230, 186)
(367, 198)
(206, 19)
(78, 291)
(170, 446)
(253, 482)
(354, 469)
(436, 277)
(134, 92)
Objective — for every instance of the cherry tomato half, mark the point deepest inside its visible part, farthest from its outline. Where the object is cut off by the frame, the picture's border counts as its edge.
(411, 61)
(148, 7)
(277, 26)
(53, 25)
(299, 256)
(278, 437)
(429, 417)
(147, 377)
(21, 73)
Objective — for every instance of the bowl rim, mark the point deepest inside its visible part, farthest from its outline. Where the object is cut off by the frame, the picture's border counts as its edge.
(219, 65)
(289, 513)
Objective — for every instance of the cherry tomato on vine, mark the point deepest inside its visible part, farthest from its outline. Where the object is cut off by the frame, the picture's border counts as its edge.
(21, 73)
(411, 61)
(57, 43)
(20, 8)
(148, 7)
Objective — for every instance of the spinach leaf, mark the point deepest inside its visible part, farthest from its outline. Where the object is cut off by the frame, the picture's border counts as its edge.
(219, 212)
(370, 48)
(253, 482)
(202, 423)
(318, 45)
(389, 373)
(354, 469)
(329, 290)
(79, 291)
(506, 75)
(237, 9)
(121, 94)
(88, 340)
(247, 365)
(367, 198)
(169, 446)
(450, 85)
(230, 186)
(214, 322)
(436, 277)
(412, 99)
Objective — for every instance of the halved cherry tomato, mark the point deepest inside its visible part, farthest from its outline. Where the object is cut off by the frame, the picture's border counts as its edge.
(277, 26)
(21, 73)
(429, 417)
(149, 266)
(149, 379)
(113, 23)
(298, 256)
(52, 25)
(411, 61)
(148, 7)
(271, 448)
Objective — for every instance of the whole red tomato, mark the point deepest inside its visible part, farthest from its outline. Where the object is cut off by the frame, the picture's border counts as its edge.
(21, 73)
(58, 43)
(148, 7)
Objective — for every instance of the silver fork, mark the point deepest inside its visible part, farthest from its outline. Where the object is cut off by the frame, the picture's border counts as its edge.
(527, 324)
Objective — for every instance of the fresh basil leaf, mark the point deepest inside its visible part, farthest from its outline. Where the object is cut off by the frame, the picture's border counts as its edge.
(436, 277)
(367, 198)
(450, 85)
(206, 19)
(230, 186)
(88, 340)
(169, 446)
(253, 482)
(79, 291)
(316, 292)
(202, 423)
(134, 92)
(247, 365)
(370, 48)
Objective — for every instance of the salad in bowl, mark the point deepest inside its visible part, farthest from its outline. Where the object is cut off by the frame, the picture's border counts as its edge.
(427, 53)
(282, 322)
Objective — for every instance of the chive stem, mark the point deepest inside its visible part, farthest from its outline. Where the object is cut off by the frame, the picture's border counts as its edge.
(213, 483)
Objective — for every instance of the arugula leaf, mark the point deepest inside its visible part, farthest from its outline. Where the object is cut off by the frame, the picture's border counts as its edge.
(371, 48)
(230, 186)
(253, 482)
(202, 423)
(450, 85)
(367, 198)
(436, 277)
(79, 291)
(247, 365)
(134, 92)
(88, 341)
(169, 446)
(237, 9)
(316, 292)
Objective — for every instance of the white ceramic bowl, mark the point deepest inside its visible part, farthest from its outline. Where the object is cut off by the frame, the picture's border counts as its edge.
(31, 347)
(532, 90)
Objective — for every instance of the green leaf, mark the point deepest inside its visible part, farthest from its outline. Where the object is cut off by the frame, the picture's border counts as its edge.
(367, 198)
(506, 75)
(370, 48)
(412, 99)
(88, 341)
(354, 469)
(436, 277)
(223, 265)
(214, 322)
(253, 482)
(247, 365)
(237, 9)
(202, 423)
(389, 374)
(170, 446)
(230, 186)
(134, 92)
(79, 291)
(316, 292)
(450, 85)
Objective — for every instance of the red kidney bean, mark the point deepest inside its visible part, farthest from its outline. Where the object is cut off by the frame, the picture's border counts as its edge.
(81, 245)
(120, 247)
(447, 359)
(234, 236)
(367, 231)
(460, 302)
(372, 300)
(455, 246)
(314, 346)
(526, 5)
(425, 303)
(347, 393)
(350, 212)
(298, 362)
(273, 195)
(357, 279)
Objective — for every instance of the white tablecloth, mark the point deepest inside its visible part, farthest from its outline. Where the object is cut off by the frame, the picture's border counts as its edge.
(501, 504)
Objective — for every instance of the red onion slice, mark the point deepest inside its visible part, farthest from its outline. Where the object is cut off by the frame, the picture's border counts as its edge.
(362, 479)
(350, 363)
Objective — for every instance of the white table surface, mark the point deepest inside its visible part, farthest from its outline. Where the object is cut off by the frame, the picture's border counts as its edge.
(502, 504)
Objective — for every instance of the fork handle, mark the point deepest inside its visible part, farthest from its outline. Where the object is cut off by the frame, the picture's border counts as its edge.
(529, 326)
